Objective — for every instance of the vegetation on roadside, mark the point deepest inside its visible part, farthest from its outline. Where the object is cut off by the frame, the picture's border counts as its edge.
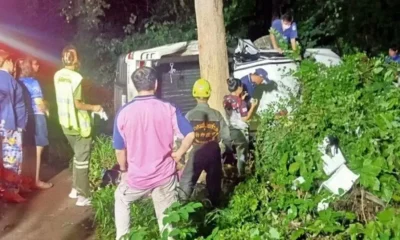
(355, 101)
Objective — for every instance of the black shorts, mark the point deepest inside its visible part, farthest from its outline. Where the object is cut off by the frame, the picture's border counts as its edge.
(36, 131)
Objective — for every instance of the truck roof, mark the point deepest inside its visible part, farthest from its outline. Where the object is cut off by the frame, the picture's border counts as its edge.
(182, 49)
(188, 48)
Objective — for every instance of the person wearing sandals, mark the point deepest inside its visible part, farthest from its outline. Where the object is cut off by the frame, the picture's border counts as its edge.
(37, 133)
(13, 119)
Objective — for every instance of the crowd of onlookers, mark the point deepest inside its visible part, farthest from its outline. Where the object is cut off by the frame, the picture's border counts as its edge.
(23, 125)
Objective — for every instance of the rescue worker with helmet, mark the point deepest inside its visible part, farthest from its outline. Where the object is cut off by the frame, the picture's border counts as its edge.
(75, 122)
(211, 133)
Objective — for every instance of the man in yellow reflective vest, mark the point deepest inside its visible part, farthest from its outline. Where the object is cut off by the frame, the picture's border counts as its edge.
(75, 122)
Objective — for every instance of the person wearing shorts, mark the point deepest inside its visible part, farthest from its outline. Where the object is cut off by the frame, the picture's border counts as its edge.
(37, 133)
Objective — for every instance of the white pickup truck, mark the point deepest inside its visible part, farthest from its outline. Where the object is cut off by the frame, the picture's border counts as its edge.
(178, 68)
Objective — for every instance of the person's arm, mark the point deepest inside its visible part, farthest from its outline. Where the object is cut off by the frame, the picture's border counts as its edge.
(225, 133)
(293, 36)
(20, 108)
(36, 94)
(273, 41)
(274, 27)
(80, 105)
(182, 127)
(87, 107)
(251, 111)
(293, 43)
(119, 146)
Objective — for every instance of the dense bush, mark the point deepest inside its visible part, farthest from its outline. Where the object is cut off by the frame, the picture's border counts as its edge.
(355, 101)
(359, 94)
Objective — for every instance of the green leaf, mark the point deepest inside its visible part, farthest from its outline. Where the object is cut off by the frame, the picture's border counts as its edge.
(294, 167)
(197, 205)
(297, 234)
(388, 75)
(175, 232)
(174, 217)
(274, 234)
(185, 215)
(378, 70)
(386, 216)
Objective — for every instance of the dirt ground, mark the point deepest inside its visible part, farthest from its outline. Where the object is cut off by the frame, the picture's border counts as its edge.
(47, 215)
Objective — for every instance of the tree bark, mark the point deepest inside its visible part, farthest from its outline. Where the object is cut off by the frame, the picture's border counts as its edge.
(212, 49)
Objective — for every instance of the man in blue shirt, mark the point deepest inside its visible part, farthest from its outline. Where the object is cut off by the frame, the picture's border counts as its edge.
(287, 28)
(394, 54)
(260, 76)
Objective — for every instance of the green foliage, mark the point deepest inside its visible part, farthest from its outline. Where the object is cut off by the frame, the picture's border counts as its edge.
(178, 218)
(358, 94)
(102, 158)
(357, 102)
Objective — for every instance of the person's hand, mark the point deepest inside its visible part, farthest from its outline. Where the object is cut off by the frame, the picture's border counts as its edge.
(177, 156)
(254, 103)
(179, 166)
(122, 176)
(97, 108)
(245, 94)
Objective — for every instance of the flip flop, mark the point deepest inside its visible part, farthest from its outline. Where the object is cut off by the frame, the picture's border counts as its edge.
(44, 185)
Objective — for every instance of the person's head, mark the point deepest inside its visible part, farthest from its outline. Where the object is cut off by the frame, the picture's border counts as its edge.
(145, 80)
(6, 63)
(17, 67)
(235, 86)
(259, 76)
(24, 68)
(201, 90)
(70, 58)
(35, 65)
(393, 51)
(287, 19)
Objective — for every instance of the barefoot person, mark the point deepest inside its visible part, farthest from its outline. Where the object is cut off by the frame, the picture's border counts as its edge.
(36, 134)
(13, 120)
(75, 122)
(144, 131)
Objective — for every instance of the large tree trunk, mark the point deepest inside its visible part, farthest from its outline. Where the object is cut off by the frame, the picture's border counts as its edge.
(212, 48)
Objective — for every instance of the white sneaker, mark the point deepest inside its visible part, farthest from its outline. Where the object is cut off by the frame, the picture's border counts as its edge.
(83, 202)
(73, 194)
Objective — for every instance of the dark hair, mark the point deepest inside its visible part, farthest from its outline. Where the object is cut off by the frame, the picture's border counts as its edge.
(144, 79)
(233, 84)
(288, 16)
(394, 47)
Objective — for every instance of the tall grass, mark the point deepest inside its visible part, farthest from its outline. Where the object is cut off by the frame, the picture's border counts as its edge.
(102, 158)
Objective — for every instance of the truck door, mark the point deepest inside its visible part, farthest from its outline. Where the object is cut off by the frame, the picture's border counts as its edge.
(176, 86)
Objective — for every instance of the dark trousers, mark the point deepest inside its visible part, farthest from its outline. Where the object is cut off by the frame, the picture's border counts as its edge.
(80, 172)
(240, 138)
(205, 157)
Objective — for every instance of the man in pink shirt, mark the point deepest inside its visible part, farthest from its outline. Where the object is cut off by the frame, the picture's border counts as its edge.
(144, 131)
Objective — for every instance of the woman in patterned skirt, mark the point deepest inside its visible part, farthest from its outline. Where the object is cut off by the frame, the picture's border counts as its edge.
(13, 119)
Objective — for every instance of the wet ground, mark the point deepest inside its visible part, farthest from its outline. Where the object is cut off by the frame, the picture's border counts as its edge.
(48, 214)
